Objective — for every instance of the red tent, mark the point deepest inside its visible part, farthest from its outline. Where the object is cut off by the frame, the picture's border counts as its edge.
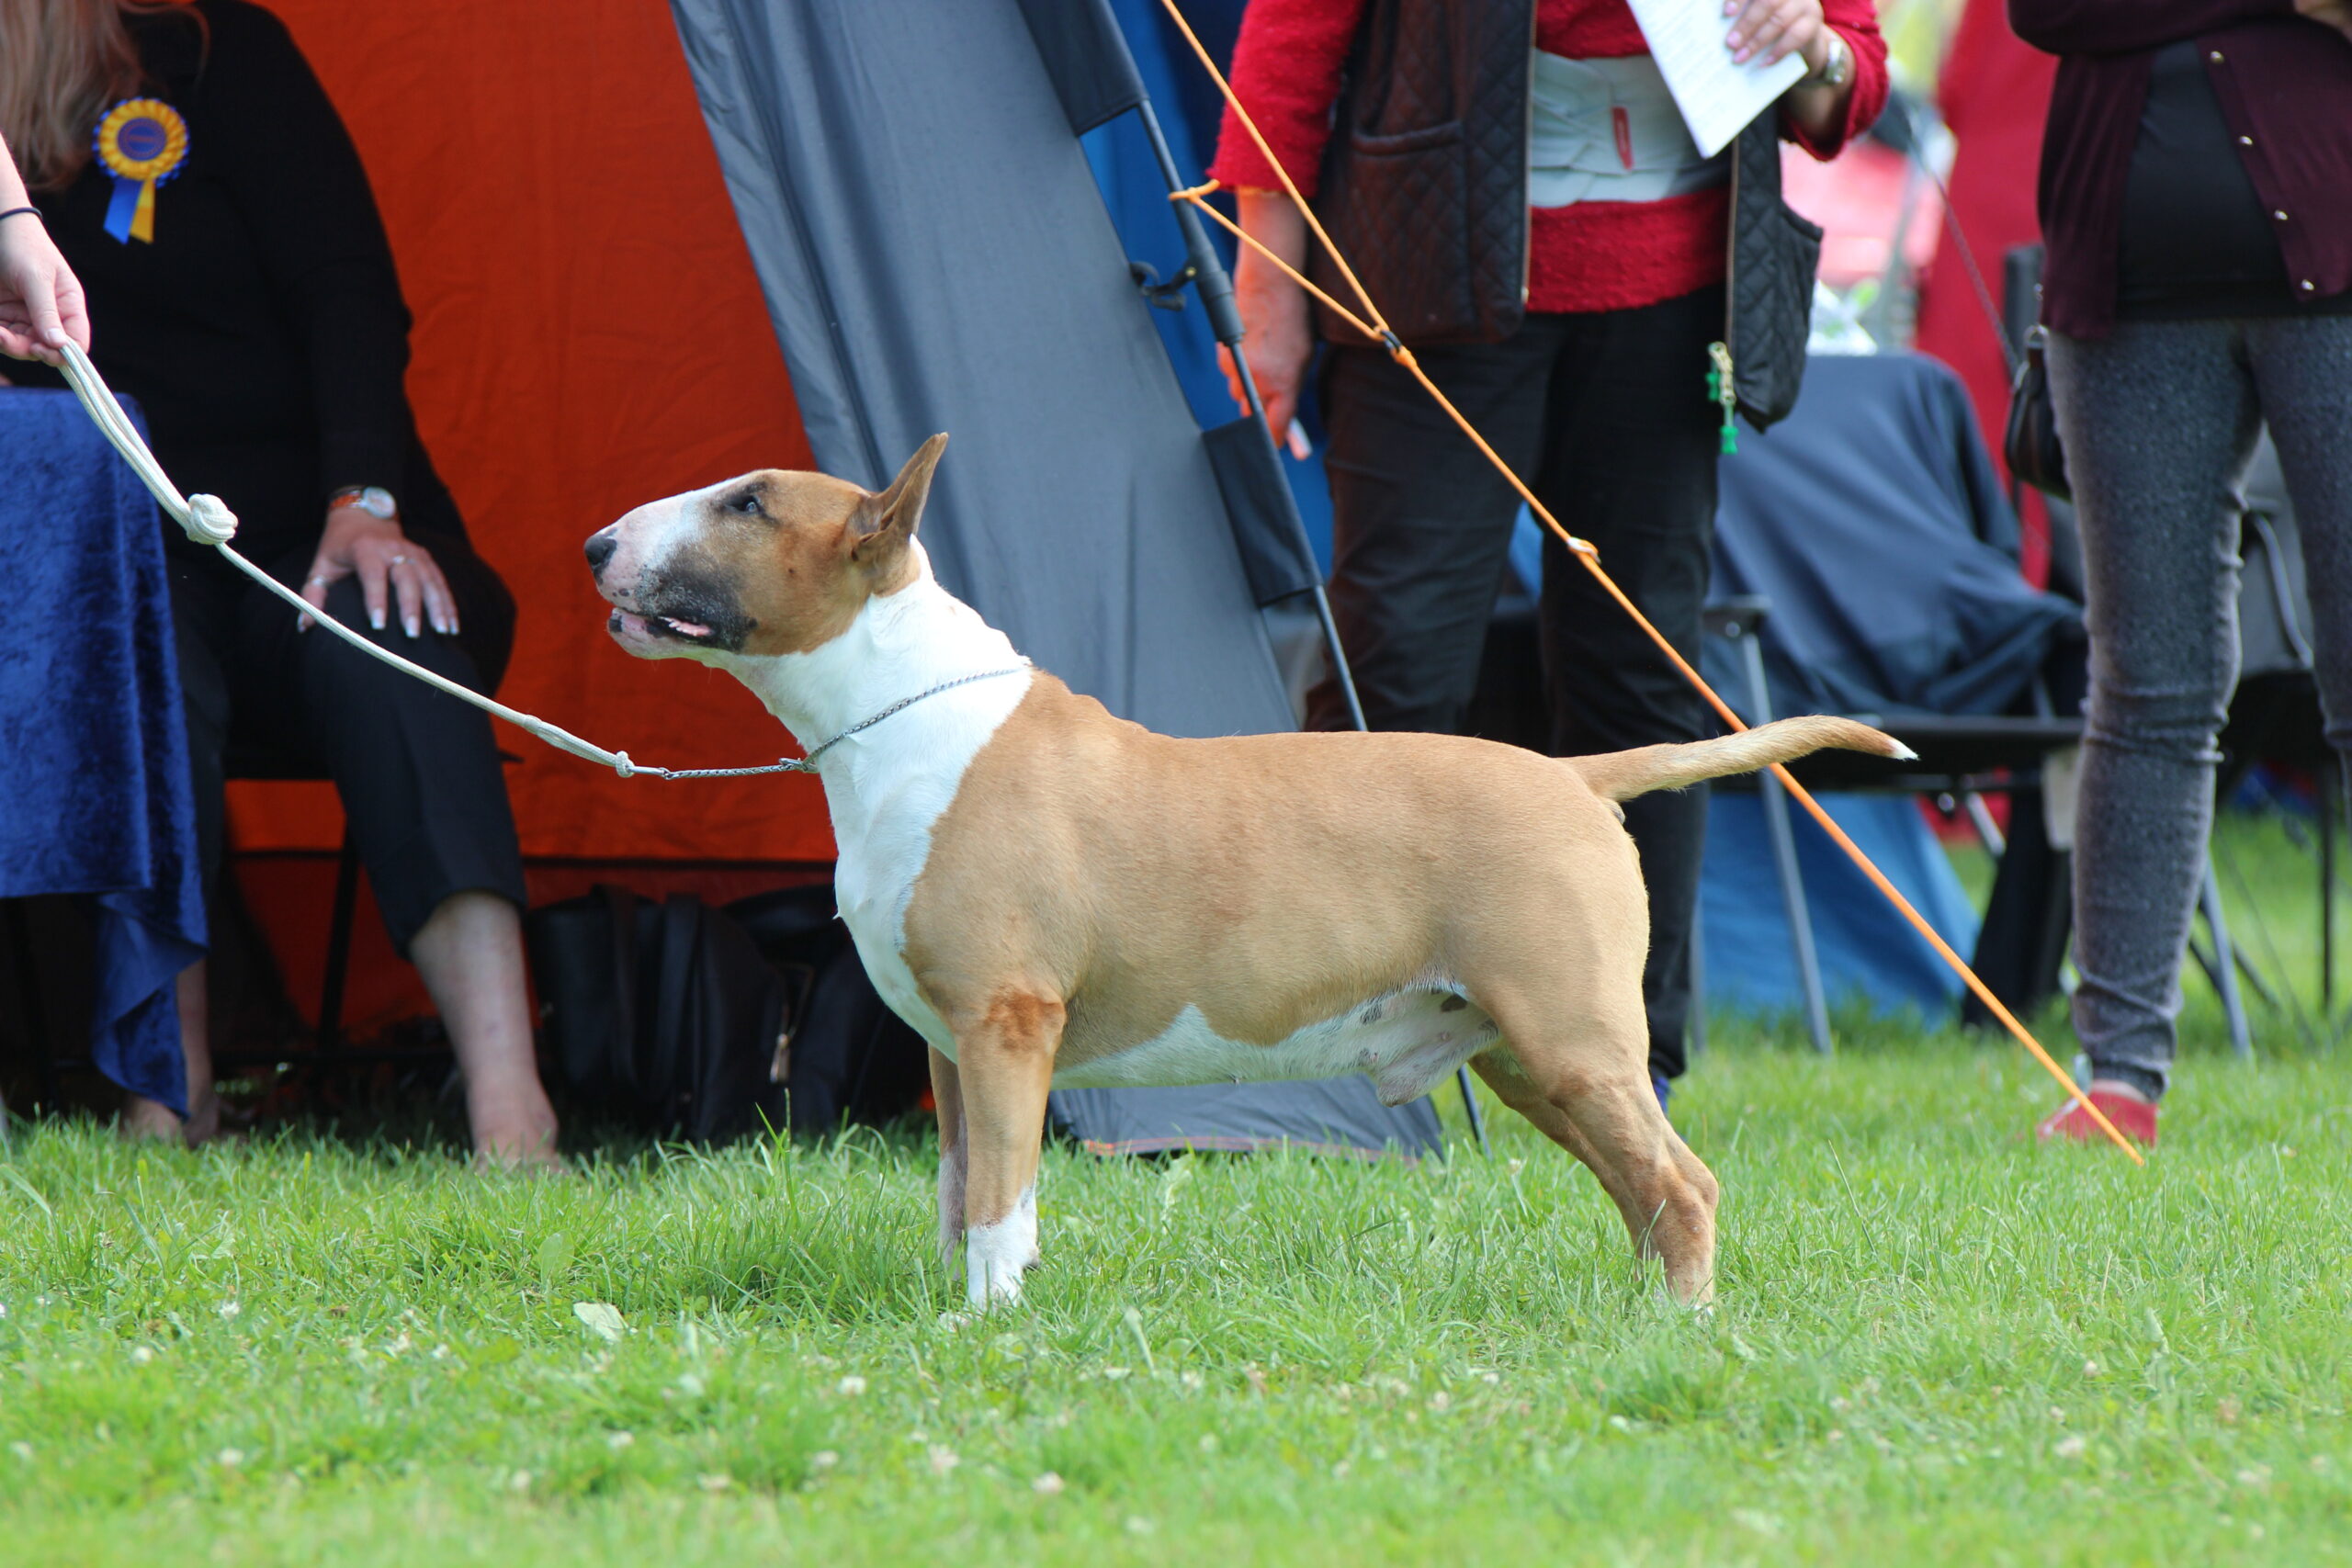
(589, 335)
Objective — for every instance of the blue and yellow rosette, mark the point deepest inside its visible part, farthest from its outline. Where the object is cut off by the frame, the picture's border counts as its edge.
(142, 143)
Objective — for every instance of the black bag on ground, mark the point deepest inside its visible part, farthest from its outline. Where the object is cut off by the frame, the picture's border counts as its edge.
(662, 1016)
(851, 1058)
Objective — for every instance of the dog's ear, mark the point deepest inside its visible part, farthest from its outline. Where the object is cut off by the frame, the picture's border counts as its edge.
(881, 525)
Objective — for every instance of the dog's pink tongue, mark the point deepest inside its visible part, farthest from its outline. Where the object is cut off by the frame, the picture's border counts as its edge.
(688, 628)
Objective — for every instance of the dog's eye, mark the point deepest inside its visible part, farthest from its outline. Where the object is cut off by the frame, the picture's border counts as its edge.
(747, 502)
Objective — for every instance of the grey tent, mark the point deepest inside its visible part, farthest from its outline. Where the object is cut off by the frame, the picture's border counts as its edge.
(935, 255)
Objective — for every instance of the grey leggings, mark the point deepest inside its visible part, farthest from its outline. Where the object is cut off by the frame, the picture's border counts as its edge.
(2159, 421)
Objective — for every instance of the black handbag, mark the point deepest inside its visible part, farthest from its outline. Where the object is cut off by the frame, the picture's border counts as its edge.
(2030, 443)
(1768, 293)
(665, 1017)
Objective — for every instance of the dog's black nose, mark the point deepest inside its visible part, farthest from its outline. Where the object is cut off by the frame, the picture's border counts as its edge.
(601, 546)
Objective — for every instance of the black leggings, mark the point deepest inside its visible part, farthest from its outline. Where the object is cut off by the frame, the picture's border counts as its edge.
(1606, 416)
(417, 770)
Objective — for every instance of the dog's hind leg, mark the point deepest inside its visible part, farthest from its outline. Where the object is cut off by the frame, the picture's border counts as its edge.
(947, 1096)
(1004, 1054)
(1604, 1110)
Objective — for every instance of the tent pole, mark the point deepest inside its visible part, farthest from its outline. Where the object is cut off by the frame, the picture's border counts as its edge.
(1211, 282)
(1214, 287)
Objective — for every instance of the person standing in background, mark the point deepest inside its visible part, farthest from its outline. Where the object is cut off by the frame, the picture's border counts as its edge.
(1596, 394)
(2197, 205)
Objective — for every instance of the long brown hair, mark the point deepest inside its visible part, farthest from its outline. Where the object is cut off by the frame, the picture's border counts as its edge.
(62, 63)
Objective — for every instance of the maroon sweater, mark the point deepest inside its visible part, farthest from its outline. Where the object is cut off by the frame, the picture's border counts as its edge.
(2285, 87)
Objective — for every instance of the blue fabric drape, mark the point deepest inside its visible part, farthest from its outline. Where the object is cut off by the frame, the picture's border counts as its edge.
(99, 799)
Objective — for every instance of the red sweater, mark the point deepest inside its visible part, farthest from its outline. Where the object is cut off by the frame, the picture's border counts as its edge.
(1591, 256)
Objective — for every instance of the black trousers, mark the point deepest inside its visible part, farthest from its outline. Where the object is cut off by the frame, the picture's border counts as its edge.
(1607, 417)
(418, 770)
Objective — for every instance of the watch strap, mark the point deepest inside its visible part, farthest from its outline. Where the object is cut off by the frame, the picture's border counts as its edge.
(374, 500)
(1837, 63)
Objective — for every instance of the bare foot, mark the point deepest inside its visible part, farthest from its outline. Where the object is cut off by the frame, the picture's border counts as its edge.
(143, 1120)
(514, 1130)
(203, 1123)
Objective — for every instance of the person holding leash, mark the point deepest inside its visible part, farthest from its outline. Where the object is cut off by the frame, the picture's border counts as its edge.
(1557, 248)
(2197, 206)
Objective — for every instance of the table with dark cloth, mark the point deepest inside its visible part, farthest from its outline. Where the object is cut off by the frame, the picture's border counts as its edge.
(97, 799)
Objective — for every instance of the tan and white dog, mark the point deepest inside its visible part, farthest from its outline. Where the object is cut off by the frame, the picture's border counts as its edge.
(1055, 897)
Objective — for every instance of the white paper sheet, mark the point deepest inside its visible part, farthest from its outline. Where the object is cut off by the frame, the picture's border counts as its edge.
(1717, 98)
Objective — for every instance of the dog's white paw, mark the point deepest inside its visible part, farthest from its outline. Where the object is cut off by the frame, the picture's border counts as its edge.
(995, 1256)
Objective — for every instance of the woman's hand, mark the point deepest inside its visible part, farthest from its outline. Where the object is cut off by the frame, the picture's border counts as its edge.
(1277, 334)
(388, 562)
(1775, 29)
(40, 299)
(1768, 31)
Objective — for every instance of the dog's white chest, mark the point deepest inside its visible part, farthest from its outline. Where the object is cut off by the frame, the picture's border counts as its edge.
(1406, 1043)
(936, 682)
(885, 835)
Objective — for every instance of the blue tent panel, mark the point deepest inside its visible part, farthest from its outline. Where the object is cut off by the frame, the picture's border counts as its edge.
(1866, 949)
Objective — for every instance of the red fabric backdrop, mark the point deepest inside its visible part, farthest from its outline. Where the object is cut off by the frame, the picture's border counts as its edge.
(589, 335)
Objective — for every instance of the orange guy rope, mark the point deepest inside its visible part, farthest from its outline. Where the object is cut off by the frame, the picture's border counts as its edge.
(1377, 328)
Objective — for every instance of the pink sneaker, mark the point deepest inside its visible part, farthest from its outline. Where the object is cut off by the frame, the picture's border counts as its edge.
(2135, 1119)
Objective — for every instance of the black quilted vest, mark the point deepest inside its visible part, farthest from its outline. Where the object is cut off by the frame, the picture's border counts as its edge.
(1424, 189)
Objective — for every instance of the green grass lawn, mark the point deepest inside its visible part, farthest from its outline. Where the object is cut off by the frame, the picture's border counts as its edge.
(1936, 1342)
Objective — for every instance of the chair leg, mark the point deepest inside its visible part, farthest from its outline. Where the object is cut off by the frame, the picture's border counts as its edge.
(24, 958)
(347, 904)
(2224, 974)
(1784, 860)
(2329, 779)
(1980, 818)
(1699, 981)
(1470, 1106)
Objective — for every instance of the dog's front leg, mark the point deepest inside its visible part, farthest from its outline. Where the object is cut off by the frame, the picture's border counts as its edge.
(1004, 1051)
(947, 1096)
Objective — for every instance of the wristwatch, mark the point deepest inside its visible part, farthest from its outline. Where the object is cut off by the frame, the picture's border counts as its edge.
(374, 500)
(1837, 64)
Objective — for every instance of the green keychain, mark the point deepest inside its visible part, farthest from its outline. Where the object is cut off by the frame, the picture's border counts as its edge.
(1719, 390)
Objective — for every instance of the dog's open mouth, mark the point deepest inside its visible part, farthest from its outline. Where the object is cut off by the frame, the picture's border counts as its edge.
(670, 627)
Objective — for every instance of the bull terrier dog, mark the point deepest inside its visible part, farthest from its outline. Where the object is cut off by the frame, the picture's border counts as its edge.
(1055, 897)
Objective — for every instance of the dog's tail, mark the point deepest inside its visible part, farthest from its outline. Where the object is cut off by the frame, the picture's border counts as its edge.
(1622, 776)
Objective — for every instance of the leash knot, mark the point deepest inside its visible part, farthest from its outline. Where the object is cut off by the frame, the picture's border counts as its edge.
(209, 521)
